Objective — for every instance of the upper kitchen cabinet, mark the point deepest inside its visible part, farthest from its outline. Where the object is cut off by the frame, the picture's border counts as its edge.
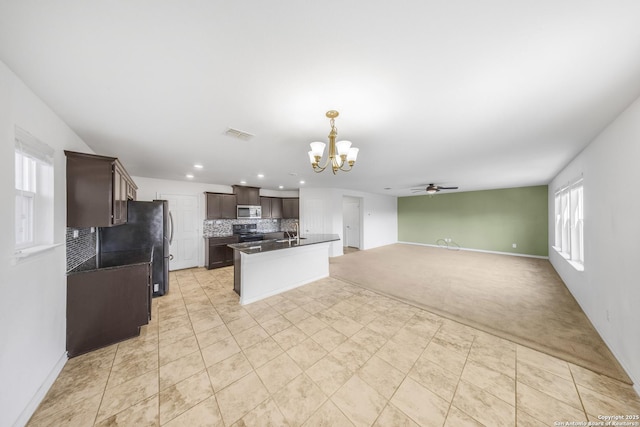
(291, 208)
(98, 188)
(247, 195)
(221, 206)
(271, 207)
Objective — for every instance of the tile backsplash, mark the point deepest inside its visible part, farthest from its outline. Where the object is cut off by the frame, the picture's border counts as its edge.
(81, 248)
(223, 227)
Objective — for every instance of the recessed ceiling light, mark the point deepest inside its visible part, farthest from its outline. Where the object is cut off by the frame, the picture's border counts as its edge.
(198, 166)
(243, 182)
(301, 182)
(260, 175)
(190, 176)
(281, 186)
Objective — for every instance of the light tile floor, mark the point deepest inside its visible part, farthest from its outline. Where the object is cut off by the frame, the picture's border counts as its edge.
(325, 354)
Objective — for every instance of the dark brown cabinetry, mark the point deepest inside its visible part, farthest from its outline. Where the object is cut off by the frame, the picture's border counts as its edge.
(271, 207)
(217, 254)
(247, 195)
(98, 188)
(221, 206)
(291, 208)
(106, 306)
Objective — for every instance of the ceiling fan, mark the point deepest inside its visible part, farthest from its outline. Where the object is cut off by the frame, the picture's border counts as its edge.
(432, 189)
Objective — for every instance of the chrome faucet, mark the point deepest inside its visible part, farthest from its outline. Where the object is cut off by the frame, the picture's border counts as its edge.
(297, 237)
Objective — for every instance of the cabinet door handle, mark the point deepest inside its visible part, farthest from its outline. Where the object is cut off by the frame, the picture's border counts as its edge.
(171, 223)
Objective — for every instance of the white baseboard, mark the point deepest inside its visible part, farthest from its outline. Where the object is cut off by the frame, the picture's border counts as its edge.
(31, 407)
(478, 250)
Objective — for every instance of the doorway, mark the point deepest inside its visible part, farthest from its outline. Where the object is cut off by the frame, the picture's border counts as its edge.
(186, 233)
(351, 223)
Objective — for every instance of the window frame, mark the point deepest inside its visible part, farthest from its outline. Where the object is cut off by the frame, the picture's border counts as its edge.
(569, 222)
(34, 198)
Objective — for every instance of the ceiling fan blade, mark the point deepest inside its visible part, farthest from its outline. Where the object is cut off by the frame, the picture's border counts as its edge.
(448, 188)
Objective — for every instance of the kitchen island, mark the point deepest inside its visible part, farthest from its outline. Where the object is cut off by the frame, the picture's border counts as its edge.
(270, 267)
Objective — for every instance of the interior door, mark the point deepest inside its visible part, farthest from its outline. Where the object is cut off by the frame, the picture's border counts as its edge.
(351, 222)
(186, 231)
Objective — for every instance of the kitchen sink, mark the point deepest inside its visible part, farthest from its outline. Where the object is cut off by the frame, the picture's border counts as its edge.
(287, 240)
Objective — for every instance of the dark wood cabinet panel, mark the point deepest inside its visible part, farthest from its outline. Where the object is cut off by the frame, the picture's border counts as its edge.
(265, 203)
(214, 206)
(247, 195)
(229, 206)
(119, 195)
(276, 208)
(221, 206)
(98, 188)
(107, 306)
(271, 207)
(237, 267)
(217, 253)
(291, 208)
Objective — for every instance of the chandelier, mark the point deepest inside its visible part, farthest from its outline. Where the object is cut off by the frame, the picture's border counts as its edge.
(341, 153)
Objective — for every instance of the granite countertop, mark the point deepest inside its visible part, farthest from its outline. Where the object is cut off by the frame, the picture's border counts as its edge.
(219, 236)
(114, 260)
(274, 244)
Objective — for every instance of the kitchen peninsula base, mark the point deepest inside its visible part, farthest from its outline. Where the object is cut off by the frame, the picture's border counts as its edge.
(264, 269)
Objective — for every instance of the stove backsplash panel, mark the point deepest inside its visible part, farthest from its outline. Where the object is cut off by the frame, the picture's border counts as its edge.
(223, 227)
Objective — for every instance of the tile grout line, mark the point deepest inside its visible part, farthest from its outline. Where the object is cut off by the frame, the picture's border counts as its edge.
(409, 371)
(158, 333)
(458, 384)
(575, 384)
(104, 390)
(515, 388)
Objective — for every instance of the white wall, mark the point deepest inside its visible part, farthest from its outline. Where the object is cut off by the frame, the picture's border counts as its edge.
(33, 302)
(379, 215)
(610, 282)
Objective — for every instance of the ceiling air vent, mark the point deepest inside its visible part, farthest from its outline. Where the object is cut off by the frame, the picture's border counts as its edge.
(235, 133)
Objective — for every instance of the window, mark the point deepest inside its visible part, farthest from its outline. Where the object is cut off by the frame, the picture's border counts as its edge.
(33, 193)
(569, 222)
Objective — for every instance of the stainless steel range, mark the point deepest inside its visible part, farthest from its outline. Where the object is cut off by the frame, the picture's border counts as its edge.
(247, 232)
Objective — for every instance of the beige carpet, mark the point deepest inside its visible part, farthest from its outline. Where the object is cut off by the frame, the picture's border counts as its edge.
(521, 299)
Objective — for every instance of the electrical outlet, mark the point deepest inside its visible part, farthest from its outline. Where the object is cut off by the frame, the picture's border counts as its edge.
(514, 245)
(75, 234)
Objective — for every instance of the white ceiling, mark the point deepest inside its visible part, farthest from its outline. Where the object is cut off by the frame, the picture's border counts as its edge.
(478, 94)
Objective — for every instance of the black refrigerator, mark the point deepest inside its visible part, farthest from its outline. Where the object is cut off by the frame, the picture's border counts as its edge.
(149, 225)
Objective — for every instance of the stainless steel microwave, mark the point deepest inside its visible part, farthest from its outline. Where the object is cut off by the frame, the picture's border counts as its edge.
(249, 212)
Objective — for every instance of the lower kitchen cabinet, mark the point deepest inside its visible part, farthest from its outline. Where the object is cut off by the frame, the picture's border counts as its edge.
(217, 254)
(105, 306)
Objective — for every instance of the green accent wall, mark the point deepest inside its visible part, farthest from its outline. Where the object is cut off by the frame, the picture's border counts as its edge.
(490, 220)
